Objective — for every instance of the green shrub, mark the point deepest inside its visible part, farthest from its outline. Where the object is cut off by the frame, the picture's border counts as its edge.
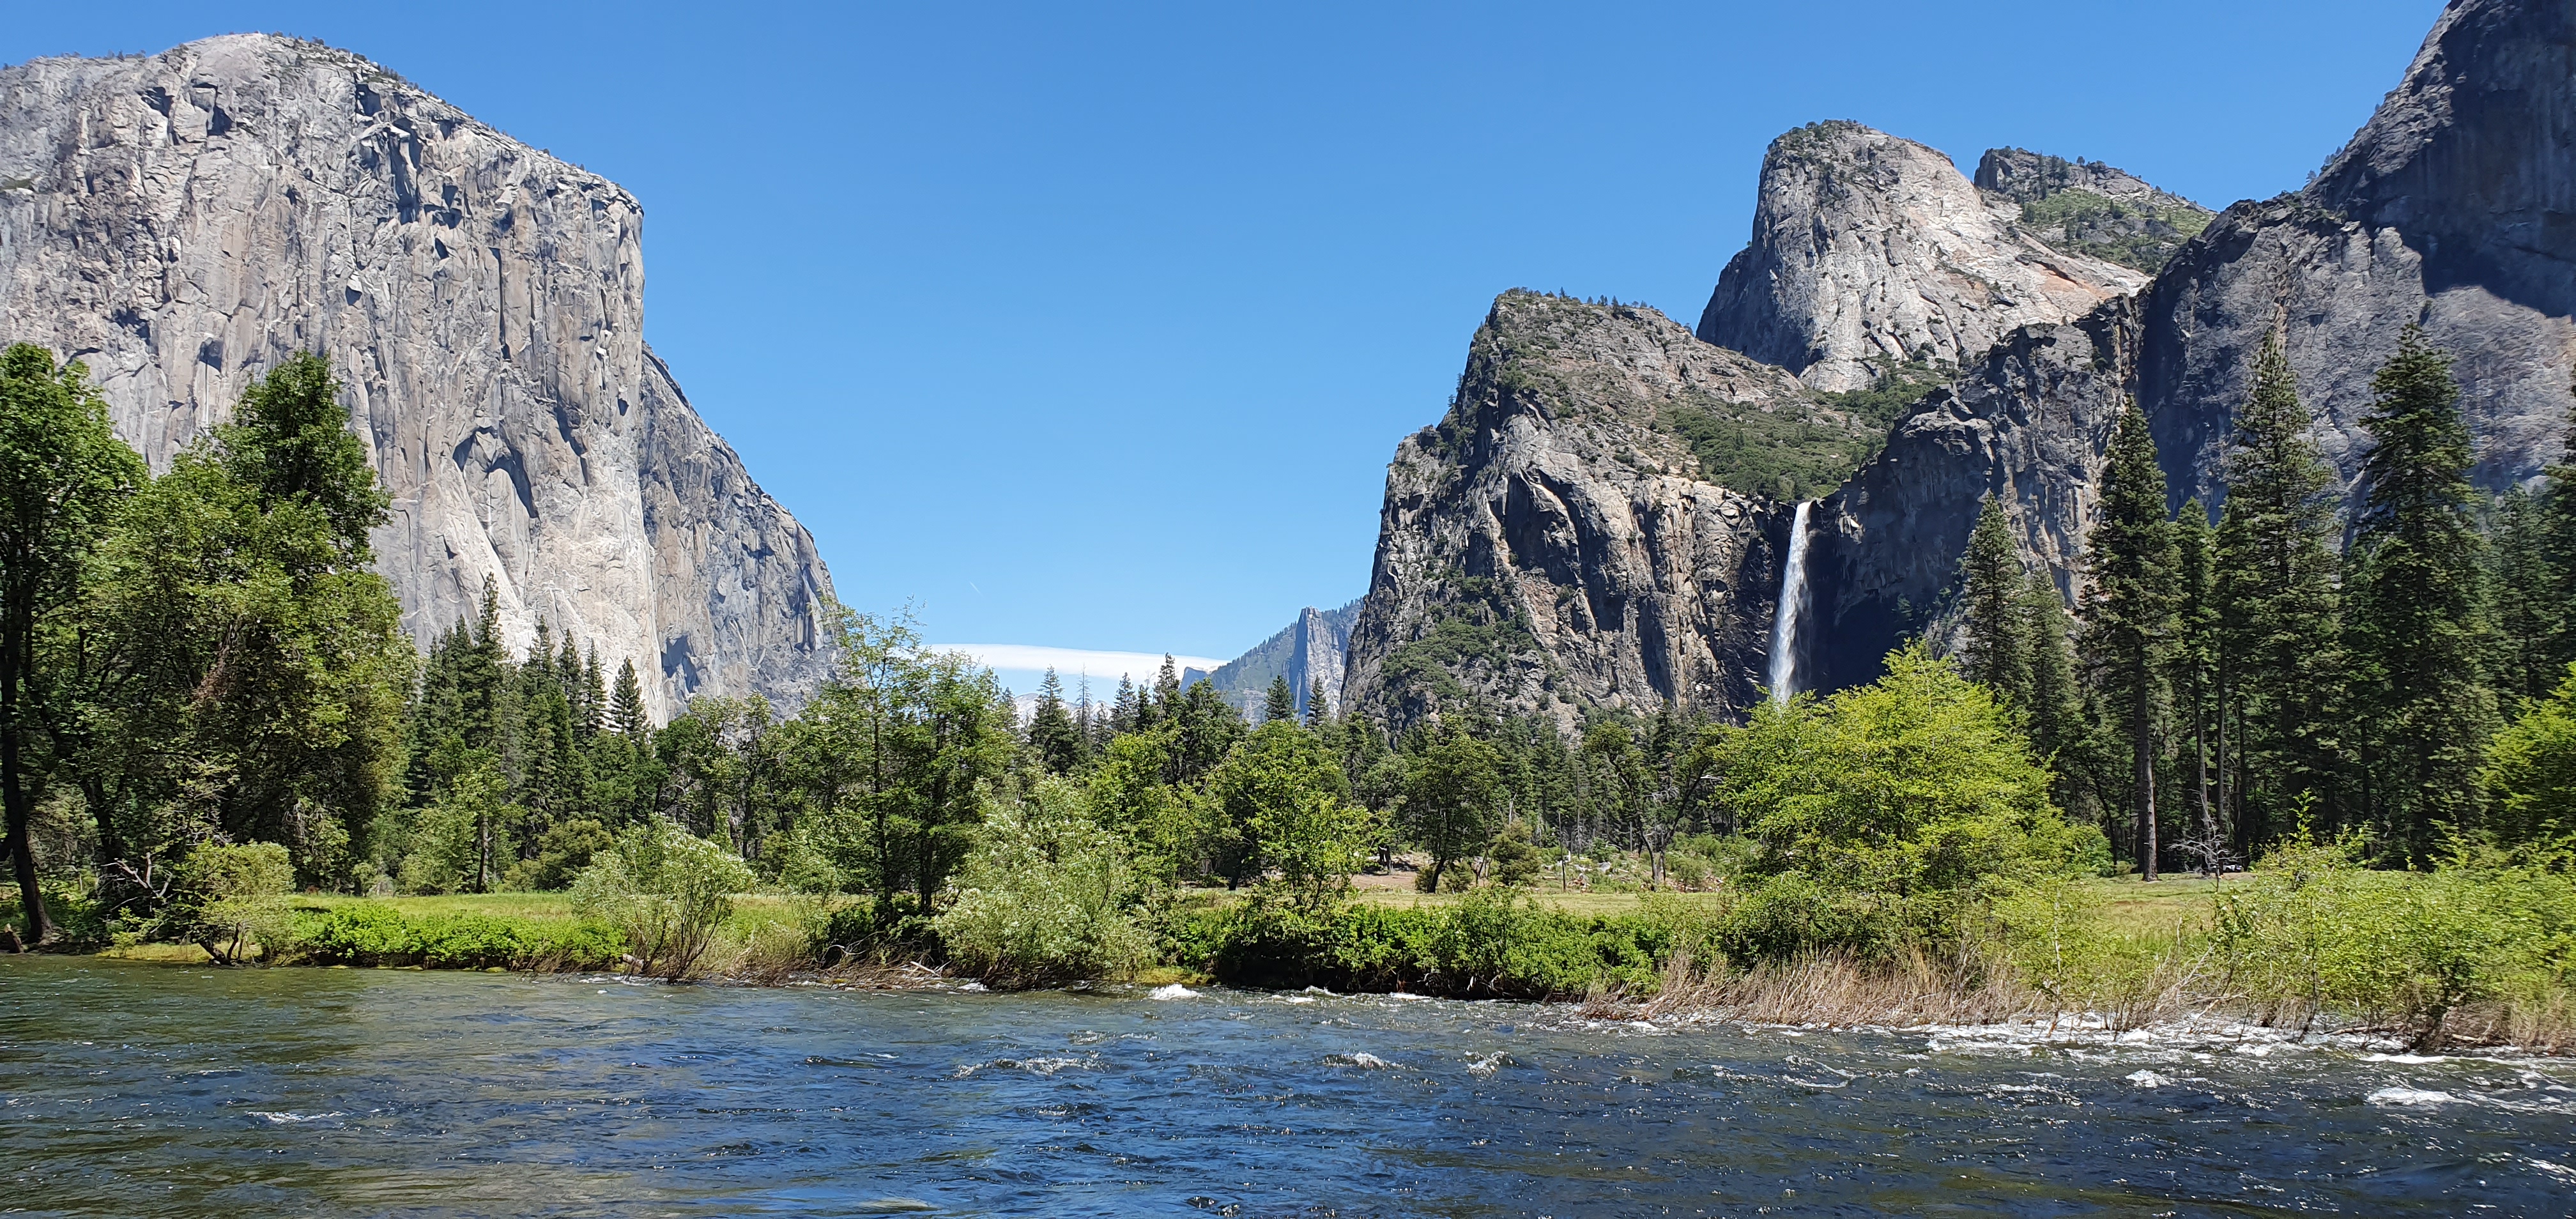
(666, 890)
(1491, 943)
(362, 934)
(366, 933)
(231, 901)
(2313, 930)
(1047, 895)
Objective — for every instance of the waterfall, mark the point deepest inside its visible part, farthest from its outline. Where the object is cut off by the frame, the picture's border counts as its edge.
(1793, 601)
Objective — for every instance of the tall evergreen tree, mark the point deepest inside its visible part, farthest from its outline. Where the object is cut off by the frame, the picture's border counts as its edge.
(2528, 600)
(1053, 737)
(1319, 709)
(2128, 614)
(2418, 612)
(2556, 527)
(2055, 713)
(2279, 665)
(1280, 706)
(1996, 653)
(2194, 660)
(626, 715)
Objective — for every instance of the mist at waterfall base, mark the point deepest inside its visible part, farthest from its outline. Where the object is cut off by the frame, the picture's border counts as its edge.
(1783, 677)
(146, 1089)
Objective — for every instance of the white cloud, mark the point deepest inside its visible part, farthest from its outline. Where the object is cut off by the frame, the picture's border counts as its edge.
(1070, 663)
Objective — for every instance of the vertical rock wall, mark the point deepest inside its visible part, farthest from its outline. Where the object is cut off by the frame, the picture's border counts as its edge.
(183, 221)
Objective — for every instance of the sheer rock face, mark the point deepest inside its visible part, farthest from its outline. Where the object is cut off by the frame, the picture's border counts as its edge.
(1869, 250)
(183, 221)
(2029, 424)
(2455, 205)
(1313, 648)
(1550, 546)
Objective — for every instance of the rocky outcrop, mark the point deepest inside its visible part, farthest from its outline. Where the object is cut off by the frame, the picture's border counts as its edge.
(1312, 648)
(1555, 544)
(2090, 208)
(182, 221)
(2455, 205)
(2027, 424)
(1872, 252)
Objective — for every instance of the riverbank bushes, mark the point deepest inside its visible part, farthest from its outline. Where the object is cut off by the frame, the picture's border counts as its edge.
(366, 933)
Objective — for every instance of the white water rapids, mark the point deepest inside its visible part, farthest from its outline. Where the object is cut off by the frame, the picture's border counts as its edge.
(1793, 600)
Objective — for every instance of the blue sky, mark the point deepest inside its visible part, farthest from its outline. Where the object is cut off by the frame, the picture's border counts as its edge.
(1094, 328)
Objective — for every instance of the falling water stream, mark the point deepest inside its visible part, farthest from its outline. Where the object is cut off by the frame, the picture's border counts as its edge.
(1793, 600)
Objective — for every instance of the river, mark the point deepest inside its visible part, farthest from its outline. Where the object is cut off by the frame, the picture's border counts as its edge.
(132, 1089)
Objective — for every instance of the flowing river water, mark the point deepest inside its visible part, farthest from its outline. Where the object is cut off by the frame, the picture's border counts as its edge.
(130, 1089)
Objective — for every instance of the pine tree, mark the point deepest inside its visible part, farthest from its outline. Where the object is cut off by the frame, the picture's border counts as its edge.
(2194, 660)
(1281, 705)
(594, 697)
(2528, 599)
(2279, 666)
(1319, 709)
(2055, 713)
(2128, 614)
(626, 705)
(1052, 734)
(2418, 614)
(1997, 650)
(2556, 527)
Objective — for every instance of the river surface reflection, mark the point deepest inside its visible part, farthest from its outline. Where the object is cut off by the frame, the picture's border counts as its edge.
(135, 1089)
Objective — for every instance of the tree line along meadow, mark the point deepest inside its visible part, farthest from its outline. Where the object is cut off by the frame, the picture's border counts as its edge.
(214, 732)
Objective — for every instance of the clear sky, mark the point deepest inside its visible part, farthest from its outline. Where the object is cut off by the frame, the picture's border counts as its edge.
(1094, 326)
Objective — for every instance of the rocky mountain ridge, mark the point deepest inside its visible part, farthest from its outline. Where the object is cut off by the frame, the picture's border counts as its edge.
(1871, 252)
(182, 221)
(1312, 648)
(1555, 544)
(2452, 206)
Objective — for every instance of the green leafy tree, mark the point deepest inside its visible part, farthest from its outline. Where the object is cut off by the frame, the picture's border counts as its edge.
(1281, 804)
(894, 759)
(1997, 648)
(2128, 614)
(1048, 895)
(1885, 813)
(667, 889)
(1453, 796)
(63, 473)
(2279, 670)
(2418, 607)
(2530, 774)
(469, 837)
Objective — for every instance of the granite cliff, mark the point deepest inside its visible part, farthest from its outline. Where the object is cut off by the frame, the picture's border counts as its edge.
(1872, 252)
(1313, 648)
(1873, 260)
(1558, 543)
(181, 221)
(2455, 205)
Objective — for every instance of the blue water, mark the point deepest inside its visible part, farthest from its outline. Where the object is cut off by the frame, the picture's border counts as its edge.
(135, 1089)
